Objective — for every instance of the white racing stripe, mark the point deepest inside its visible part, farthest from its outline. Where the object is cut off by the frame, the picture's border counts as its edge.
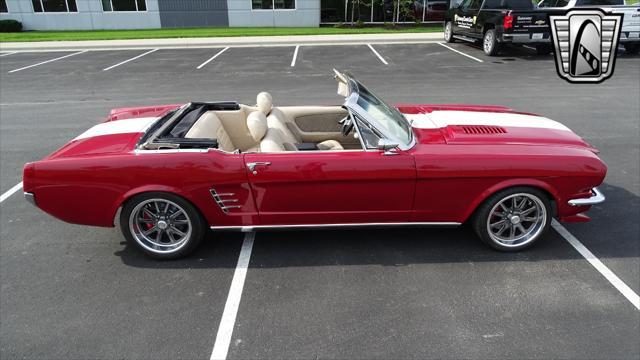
(377, 54)
(118, 127)
(625, 290)
(11, 191)
(228, 321)
(444, 118)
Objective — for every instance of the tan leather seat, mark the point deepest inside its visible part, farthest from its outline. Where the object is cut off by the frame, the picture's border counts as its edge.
(276, 120)
(268, 140)
(209, 126)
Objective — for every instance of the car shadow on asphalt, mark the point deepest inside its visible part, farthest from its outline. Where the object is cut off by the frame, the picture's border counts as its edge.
(405, 246)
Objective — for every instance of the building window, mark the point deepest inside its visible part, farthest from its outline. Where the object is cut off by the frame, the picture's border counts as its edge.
(124, 5)
(271, 4)
(3, 6)
(54, 6)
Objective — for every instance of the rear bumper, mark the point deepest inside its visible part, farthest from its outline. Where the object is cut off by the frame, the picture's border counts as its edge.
(596, 198)
(526, 38)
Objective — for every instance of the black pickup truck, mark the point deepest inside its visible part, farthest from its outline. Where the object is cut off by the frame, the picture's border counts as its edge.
(496, 22)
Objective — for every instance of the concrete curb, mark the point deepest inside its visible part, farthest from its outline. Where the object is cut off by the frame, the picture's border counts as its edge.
(178, 43)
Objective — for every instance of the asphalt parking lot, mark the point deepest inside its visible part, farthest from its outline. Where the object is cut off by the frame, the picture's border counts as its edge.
(69, 291)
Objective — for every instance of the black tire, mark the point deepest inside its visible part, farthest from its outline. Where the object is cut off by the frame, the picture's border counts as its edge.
(179, 216)
(487, 214)
(631, 49)
(544, 49)
(448, 32)
(490, 44)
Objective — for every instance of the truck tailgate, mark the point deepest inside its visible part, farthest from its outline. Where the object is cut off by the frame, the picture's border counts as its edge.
(530, 22)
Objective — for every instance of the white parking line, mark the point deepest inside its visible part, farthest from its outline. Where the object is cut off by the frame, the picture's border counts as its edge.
(460, 52)
(227, 323)
(10, 192)
(377, 54)
(48, 61)
(596, 263)
(9, 53)
(126, 61)
(295, 56)
(211, 59)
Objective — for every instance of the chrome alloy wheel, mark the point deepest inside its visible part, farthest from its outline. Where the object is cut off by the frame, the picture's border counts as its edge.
(517, 220)
(160, 226)
(488, 42)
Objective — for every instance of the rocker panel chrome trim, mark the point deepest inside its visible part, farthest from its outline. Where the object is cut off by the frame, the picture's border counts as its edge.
(330, 226)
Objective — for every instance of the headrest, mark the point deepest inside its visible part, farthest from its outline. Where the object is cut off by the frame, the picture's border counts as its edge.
(264, 102)
(257, 125)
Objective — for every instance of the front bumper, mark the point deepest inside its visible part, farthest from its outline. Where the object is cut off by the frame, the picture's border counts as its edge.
(526, 38)
(596, 198)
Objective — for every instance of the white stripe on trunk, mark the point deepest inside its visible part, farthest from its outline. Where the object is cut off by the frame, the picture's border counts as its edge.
(118, 127)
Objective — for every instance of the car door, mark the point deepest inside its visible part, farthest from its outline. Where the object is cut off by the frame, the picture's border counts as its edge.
(331, 187)
(465, 15)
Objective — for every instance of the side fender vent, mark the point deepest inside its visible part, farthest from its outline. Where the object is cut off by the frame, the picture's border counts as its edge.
(479, 129)
(224, 200)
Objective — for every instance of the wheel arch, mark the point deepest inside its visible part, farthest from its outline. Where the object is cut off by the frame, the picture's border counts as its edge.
(124, 198)
(543, 186)
(487, 27)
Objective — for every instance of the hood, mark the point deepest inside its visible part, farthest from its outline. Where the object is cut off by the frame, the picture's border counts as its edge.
(496, 127)
(106, 138)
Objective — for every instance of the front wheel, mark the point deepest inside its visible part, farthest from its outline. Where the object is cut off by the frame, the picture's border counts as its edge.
(490, 43)
(448, 32)
(513, 219)
(162, 225)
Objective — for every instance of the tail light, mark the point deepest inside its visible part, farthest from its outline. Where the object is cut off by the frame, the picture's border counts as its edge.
(507, 21)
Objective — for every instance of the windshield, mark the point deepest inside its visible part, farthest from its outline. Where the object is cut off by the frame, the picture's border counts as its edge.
(386, 116)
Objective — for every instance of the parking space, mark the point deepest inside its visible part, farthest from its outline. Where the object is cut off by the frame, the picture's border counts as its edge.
(79, 292)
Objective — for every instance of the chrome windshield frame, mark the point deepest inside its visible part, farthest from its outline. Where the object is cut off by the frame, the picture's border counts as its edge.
(351, 103)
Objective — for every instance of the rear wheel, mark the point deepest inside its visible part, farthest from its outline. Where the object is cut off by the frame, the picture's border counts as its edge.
(162, 225)
(448, 32)
(513, 219)
(490, 43)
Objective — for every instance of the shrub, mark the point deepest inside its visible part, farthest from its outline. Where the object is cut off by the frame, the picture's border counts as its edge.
(10, 26)
(338, 25)
(359, 24)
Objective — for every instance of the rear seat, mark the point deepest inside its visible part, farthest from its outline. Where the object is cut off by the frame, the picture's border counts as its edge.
(209, 126)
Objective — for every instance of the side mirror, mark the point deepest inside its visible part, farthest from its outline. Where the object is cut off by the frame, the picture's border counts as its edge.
(387, 146)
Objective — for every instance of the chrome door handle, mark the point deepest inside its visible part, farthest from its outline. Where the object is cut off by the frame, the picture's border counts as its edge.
(252, 165)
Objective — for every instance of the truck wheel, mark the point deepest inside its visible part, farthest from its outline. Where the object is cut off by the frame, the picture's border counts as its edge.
(631, 49)
(543, 49)
(162, 225)
(490, 43)
(513, 219)
(448, 32)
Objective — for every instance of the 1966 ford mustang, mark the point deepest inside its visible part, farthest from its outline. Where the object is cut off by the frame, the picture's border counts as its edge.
(169, 173)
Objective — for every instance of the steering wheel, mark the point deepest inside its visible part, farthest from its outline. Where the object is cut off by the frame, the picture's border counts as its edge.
(347, 125)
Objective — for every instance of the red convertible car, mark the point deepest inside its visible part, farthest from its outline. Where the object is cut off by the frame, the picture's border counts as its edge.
(167, 174)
